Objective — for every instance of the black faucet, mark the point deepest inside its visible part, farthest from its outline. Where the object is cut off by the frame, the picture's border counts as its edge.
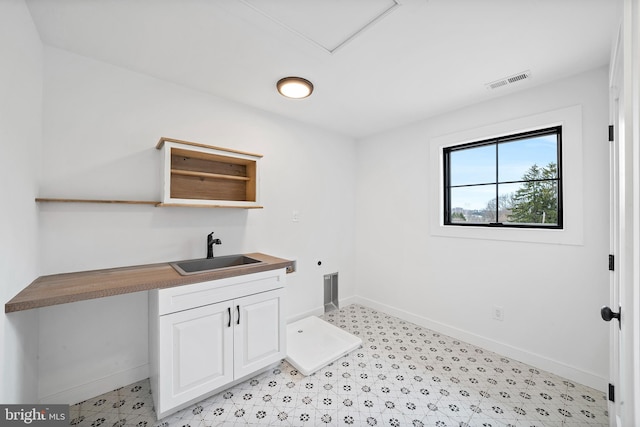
(210, 242)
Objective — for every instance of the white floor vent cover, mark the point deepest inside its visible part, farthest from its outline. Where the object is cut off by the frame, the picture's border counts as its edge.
(313, 343)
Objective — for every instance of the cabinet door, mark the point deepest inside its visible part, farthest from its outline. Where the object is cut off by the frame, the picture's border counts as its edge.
(196, 353)
(259, 331)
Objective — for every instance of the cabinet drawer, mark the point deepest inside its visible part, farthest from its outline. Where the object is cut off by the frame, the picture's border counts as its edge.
(171, 300)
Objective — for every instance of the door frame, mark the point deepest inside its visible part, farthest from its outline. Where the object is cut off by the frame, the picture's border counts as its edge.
(615, 95)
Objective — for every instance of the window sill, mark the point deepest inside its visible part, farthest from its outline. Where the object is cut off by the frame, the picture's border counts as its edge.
(530, 235)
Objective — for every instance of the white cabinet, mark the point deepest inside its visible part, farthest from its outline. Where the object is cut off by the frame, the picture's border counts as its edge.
(196, 353)
(258, 334)
(202, 175)
(234, 329)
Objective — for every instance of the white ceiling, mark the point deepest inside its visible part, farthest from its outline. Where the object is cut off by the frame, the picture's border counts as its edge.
(375, 64)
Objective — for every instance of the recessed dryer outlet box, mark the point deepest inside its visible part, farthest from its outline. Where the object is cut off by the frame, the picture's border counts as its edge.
(331, 302)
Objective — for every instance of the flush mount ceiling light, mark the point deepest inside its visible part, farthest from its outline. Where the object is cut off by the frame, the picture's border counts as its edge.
(294, 87)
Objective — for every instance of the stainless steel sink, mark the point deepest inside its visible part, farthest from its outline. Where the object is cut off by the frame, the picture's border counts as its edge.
(195, 266)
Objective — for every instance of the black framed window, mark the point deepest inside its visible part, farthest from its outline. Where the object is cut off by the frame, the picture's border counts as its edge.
(510, 181)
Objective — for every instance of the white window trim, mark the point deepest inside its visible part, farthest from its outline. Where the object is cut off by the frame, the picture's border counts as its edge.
(572, 233)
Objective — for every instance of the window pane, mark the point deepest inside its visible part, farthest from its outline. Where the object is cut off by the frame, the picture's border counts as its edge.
(532, 202)
(511, 180)
(506, 192)
(529, 158)
(469, 204)
(473, 165)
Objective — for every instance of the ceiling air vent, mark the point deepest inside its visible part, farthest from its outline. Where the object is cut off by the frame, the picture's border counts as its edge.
(509, 80)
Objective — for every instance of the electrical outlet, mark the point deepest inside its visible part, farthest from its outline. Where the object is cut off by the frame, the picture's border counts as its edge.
(498, 313)
(295, 216)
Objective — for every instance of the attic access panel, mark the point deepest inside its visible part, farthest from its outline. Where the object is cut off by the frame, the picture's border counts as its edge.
(329, 24)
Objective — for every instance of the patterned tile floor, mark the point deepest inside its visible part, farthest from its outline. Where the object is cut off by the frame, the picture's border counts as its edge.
(403, 375)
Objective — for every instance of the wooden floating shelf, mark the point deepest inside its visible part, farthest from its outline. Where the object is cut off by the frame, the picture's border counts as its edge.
(127, 202)
(144, 202)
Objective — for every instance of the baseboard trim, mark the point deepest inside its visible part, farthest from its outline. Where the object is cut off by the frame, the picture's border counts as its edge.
(350, 300)
(571, 373)
(97, 387)
(319, 311)
(314, 312)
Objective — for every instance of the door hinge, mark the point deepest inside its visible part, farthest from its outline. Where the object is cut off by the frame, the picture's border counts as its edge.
(612, 393)
(611, 133)
(612, 262)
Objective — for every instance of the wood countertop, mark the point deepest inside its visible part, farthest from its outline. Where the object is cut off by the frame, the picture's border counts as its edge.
(84, 285)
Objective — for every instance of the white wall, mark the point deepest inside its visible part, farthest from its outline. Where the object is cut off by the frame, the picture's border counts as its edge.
(551, 293)
(20, 141)
(101, 124)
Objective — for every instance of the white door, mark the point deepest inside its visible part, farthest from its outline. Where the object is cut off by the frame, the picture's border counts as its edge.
(196, 353)
(625, 219)
(259, 331)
